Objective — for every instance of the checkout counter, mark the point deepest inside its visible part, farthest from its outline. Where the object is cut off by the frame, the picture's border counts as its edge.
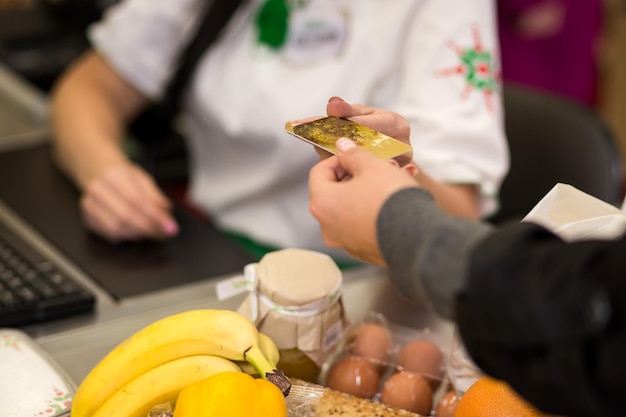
(78, 343)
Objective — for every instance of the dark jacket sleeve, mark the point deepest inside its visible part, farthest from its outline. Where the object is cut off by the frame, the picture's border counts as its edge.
(425, 248)
(548, 317)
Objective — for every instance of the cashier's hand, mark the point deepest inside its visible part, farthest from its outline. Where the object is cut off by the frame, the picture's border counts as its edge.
(347, 191)
(124, 203)
(385, 121)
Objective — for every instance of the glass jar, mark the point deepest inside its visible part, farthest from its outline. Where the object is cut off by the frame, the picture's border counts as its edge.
(297, 302)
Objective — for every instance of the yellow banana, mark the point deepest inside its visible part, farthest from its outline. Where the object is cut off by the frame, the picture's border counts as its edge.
(162, 384)
(223, 333)
(269, 349)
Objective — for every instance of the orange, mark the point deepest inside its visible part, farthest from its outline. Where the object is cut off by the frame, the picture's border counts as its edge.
(489, 397)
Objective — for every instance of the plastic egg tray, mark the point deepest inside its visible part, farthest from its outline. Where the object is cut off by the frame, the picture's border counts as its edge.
(389, 366)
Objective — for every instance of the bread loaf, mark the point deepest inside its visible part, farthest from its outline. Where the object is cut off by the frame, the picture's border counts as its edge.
(310, 400)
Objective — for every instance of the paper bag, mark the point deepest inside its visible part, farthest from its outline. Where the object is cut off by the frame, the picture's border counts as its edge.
(575, 215)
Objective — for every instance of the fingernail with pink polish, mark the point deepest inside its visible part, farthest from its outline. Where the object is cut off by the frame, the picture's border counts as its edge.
(344, 144)
(170, 228)
(335, 98)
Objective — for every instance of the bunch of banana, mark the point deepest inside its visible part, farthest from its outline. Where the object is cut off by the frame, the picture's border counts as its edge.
(153, 365)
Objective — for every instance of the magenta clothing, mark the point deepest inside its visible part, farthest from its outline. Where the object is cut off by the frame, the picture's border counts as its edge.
(565, 63)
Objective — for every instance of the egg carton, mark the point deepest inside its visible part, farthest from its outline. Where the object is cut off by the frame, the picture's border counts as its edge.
(403, 367)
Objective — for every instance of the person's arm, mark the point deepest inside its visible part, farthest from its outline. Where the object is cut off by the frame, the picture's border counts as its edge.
(90, 106)
(544, 315)
(91, 101)
(426, 250)
(377, 213)
(548, 317)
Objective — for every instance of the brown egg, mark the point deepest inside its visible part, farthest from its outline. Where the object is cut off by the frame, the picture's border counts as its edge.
(424, 357)
(408, 391)
(447, 404)
(372, 341)
(354, 375)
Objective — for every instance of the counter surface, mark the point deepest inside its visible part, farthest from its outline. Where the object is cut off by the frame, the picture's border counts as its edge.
(78, 344)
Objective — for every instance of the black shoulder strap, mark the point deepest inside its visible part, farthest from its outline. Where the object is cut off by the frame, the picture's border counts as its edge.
(215, 17)
(163, 149)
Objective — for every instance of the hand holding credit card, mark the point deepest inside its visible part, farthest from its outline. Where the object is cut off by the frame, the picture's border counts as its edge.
(324, 132)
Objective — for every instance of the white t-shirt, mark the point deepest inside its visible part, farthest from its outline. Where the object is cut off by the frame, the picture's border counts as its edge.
(433, 61)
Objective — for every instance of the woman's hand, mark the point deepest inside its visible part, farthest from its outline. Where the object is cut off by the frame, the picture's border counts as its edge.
(124, 203)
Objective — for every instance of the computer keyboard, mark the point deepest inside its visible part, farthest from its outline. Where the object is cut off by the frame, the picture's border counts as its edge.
(33, 289)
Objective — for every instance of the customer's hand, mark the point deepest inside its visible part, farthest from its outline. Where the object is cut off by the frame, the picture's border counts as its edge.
(347, 192)
(124, 203)
(385, 121)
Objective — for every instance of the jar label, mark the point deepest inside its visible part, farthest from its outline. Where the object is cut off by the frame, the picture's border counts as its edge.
(333, 335)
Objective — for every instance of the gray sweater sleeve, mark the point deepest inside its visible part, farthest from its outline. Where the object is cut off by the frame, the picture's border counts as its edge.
(425, 248)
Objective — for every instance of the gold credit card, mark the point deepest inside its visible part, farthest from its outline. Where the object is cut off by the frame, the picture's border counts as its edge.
(325, 131)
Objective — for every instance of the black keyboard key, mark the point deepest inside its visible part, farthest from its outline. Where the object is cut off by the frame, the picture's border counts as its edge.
(28, 296)
(42, 287)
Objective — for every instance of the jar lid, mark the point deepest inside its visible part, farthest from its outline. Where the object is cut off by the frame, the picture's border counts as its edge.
(293, 277)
